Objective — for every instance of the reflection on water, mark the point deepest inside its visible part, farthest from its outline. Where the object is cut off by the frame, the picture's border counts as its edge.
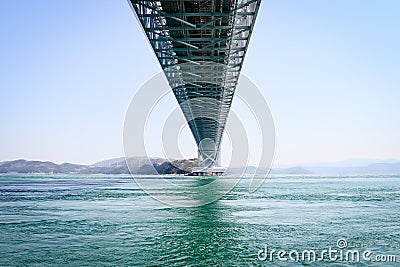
(187, 191)
(109, 220)
(204, 235)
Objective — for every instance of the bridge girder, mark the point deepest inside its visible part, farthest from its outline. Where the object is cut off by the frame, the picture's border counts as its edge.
(200, 45)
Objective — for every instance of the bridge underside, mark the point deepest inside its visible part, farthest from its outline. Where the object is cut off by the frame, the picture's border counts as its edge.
(201, 45)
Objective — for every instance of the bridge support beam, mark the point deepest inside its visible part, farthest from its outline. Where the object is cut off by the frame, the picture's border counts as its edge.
(200, 46)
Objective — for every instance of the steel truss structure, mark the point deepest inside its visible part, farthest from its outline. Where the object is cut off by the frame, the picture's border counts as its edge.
(200, 45)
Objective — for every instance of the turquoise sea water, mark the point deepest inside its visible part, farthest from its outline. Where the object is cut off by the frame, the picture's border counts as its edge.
(76, 220)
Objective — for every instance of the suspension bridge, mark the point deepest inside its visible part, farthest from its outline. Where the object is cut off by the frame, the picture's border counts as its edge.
(201, 46)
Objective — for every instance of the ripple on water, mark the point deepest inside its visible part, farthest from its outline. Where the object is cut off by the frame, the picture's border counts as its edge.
(85, 220)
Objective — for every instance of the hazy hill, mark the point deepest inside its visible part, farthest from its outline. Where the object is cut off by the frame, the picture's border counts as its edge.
(134, 162)
(143, 165)
(291, 170)
(371, 169)
(167, 167)
(138, 165)
(24, 166)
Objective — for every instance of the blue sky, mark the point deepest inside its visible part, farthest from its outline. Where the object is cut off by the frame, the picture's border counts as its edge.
(329, 70)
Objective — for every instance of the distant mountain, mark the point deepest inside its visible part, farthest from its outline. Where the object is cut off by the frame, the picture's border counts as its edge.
(24, 166)
(108, 162)
(144, 165)
(252, 170)
(134, 162)
(243, 170)
(384, 168)
(293, 170)
(345, 167)
(138, 165)
(370, 169)
(168, 167)
(359, 162)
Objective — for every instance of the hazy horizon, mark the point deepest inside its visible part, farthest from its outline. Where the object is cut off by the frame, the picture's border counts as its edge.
(350, 162)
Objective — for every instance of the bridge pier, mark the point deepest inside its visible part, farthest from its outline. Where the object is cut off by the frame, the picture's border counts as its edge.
(208, 159)
(212, 171)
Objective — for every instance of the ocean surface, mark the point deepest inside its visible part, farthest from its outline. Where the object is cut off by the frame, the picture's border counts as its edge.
(78, 220)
